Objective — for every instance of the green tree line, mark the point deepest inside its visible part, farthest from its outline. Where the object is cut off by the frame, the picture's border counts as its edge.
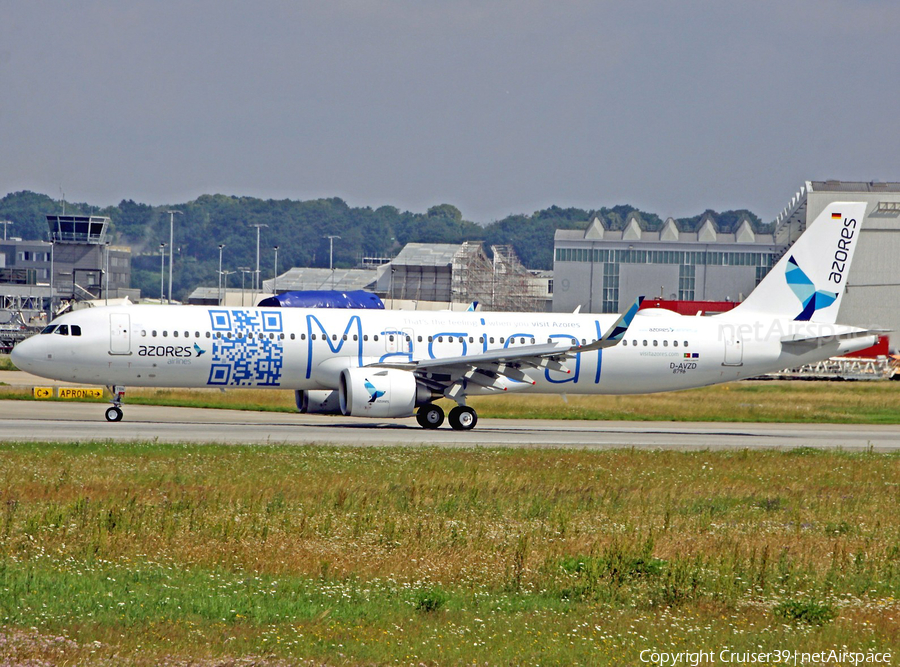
(299, 229)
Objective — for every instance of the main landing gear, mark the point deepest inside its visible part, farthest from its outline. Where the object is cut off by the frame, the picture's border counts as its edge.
(114, 413)
(461, 418)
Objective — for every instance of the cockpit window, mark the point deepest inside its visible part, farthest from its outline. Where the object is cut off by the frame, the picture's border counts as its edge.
(62, 330)
(50, 329)
(76, 330)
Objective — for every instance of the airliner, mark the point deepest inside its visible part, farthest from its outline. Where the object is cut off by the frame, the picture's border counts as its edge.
(387, 364)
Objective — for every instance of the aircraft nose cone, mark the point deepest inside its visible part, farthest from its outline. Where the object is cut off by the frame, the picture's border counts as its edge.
(20, 355)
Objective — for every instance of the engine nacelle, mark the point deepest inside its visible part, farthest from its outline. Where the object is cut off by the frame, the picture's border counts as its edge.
(318, 401)
(373, 392)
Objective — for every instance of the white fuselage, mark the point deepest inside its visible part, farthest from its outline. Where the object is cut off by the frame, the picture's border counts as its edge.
(285, 348)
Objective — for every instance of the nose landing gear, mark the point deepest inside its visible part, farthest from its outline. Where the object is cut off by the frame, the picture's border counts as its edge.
(114, 413)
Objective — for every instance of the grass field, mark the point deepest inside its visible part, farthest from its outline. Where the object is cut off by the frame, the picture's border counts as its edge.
(151, 554)
(760, 401)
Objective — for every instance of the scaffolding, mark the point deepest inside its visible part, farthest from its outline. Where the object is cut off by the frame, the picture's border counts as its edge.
(843, 368)
(502, 284)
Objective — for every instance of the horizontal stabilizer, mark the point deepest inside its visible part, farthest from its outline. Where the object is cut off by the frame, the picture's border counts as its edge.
(839, 333)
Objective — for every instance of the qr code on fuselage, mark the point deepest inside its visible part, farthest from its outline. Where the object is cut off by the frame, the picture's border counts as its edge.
(248, 348)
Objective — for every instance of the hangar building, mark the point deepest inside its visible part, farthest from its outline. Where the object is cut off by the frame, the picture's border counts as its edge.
(603, 270)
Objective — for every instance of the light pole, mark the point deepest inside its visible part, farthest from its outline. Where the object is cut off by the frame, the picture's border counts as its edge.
(221, 246)
(52, 254)
(258, 226)
(172, 215)
(162, 271)
(331, 239)
(225, 275)
(244, 271)
(275, 279)
(6, 223)
(106, 276)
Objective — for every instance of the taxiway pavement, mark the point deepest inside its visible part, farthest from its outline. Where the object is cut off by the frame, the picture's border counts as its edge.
(67, 422)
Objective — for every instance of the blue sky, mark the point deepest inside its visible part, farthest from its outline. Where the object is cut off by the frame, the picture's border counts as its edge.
(496, 106)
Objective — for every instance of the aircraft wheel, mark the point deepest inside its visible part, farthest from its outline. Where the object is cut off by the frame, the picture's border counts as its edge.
(463, 418)
(114, 414)
(430, 416)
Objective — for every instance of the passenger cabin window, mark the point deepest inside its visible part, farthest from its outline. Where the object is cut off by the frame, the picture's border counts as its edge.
(675, 343)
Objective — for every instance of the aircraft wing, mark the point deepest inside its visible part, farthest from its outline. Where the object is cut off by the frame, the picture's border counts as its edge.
(491, 369)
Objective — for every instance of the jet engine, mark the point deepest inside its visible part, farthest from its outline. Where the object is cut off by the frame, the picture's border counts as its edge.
(318, 401)
(387, 392)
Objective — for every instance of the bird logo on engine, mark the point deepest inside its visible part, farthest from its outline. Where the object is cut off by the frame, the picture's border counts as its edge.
(374, 394)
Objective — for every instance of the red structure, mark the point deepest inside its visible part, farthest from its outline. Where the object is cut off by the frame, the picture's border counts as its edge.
(690, 307)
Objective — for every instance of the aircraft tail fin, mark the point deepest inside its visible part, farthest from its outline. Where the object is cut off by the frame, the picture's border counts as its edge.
(808, 282)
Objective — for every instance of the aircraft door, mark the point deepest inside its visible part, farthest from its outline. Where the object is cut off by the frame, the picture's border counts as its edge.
(120, 333)
(398, 341)
(734, 347)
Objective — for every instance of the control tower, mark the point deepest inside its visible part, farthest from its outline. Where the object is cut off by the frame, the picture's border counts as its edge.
(80, 258)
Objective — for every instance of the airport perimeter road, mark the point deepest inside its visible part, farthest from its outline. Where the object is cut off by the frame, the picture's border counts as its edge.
(64, 422)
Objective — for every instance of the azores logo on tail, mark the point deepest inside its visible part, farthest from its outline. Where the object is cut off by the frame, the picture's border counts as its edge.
(814, 271)
(804, 289)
